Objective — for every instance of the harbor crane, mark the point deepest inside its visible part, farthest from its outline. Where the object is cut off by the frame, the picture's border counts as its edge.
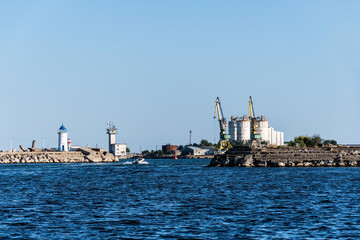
(223, 143)
(254, 136)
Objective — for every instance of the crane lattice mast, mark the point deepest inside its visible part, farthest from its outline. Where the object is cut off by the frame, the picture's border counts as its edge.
(223, 143)
(254, 136)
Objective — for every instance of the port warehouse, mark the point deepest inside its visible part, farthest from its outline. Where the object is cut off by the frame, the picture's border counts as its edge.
(240, 130)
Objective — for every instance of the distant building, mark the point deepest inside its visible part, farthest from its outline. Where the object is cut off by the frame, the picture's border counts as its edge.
(119, 150)
(197, 151)
(275, 137)
(169, 149)
(63, 137)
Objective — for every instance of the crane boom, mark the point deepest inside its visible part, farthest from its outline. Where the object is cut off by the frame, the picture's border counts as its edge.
(217, 109)
(254, 136)
(251, 109)
(223, 142)
(222, 120)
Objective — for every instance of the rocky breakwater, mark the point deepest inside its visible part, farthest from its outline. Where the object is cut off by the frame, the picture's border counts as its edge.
(83, 155)
(260, 156)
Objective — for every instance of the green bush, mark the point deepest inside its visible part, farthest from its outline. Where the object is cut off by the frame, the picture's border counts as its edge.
(332, 142)
(306, 141)
(205, 143)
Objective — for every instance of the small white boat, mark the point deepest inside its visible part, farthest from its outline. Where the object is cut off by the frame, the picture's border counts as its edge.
(140, 161)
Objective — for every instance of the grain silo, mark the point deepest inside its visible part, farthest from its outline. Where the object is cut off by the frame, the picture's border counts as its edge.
(233, 128)
(263, 128)
(244, 129)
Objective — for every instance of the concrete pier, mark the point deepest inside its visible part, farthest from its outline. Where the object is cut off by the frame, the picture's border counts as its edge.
(251, 156)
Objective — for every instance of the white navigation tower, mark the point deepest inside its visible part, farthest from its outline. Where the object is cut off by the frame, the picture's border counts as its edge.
(112, 131)
(63, 137)
(119, 150)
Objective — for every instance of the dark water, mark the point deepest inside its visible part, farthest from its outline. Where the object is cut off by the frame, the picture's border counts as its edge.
(178, 200)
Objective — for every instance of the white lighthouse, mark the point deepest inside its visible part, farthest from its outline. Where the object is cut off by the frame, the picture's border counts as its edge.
(111, 131)
(118, 149)
(63, 137)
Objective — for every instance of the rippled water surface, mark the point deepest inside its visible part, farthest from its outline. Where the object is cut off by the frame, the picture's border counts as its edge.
(177, 199)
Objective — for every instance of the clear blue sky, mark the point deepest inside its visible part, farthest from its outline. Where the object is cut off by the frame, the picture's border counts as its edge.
(155, 68)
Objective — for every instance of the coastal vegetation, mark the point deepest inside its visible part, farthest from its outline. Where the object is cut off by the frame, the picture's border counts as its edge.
(205, 143)
(307, 141)
(158, 153)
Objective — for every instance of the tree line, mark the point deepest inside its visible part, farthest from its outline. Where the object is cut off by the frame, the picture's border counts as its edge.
(307, 141)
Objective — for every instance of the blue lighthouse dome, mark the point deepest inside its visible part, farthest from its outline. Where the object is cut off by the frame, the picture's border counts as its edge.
(62, 128)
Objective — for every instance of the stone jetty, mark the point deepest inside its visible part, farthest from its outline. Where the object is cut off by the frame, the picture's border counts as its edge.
(83, 155)
(261, 156)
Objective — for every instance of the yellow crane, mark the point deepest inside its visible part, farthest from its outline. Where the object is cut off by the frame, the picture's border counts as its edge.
(254, 136)
(223, 143)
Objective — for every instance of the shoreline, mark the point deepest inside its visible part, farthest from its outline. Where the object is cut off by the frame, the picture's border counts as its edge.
(261, 156)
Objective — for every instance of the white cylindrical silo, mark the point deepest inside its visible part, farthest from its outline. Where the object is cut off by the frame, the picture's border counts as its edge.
(281, 138)
(270, 132)
(238, 128)
(278, 138)
(273, 137)
(233, 129)
(244, 129)
(263, 128)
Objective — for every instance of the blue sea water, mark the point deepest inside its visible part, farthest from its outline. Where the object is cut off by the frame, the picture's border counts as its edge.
(177, 199)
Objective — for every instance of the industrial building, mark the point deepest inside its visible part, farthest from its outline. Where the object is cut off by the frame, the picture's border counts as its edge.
(250, 128)
(197, 151)
(169, 149)
(118, 149)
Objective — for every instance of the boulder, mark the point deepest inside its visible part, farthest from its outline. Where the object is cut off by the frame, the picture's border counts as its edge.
(225, 162)
(308, 164)
(248, 161)
(93, 158)
(281, 164)
(237, 161)
(353, 163)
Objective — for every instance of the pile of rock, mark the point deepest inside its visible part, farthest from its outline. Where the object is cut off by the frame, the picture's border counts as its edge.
(56, 157)
(252, 156)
